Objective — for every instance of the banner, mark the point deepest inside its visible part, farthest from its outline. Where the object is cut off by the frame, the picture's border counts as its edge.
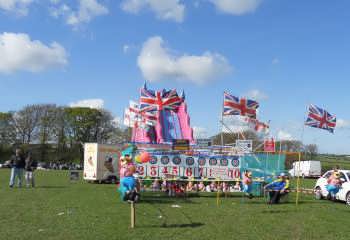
(244, 146)
(269, 145)
(204, 142)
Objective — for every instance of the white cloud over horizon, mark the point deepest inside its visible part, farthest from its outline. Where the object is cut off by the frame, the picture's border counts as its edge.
(158, 63)
(19, 7)
(234, 124)
(257, 95)
(342, 123)
(95, 103)
(236, 7)
(19, 53)
(172, 10)
(86, 11)
(284, 136)
(200, 132)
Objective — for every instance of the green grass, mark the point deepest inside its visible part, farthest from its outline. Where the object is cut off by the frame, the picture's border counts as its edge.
(58, 209)
(329, 162)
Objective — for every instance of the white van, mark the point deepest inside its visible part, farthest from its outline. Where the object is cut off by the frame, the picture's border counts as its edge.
(101, 162)
(306, 169)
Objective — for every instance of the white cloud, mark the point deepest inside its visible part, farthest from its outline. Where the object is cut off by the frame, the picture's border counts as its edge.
(234, 124)
(19, 52)
(236, 7)
(200, 132)
(257, 95)
(117, 122)
(275, 61)
(87, 10)
(126, 48)
(89, 103)
(19, 7)
(341, 123)
(164, 9)
(159, 63)
(284, 136)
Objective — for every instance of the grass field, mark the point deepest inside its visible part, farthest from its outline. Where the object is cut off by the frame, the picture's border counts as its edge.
(59, 209)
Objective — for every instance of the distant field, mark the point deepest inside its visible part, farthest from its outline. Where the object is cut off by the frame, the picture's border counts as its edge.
(328, 162)
(58, 209)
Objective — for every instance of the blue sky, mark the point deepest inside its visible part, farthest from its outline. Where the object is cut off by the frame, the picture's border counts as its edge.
(287, 54)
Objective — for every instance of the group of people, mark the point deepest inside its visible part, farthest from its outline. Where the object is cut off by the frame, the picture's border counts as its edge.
(177, 188)
(276, 189)
(22, 164)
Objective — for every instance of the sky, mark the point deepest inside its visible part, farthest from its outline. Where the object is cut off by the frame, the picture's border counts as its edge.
(285, 54)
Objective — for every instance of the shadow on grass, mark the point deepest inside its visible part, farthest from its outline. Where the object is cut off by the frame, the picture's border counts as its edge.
(177, 225)
(51, 187)
(165, 200)
(184, 225)
(277, 211)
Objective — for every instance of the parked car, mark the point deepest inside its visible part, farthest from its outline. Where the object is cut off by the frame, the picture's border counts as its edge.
(344, 192)
(306, 169)
(6, 164)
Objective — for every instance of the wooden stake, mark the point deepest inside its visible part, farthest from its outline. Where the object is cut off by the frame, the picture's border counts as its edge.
(298, 182)
(133, 215)
(218, 196)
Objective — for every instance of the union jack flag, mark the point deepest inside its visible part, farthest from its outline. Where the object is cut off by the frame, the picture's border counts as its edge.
(133, 115)
(320, 118)
(152, 101)
(236, 106)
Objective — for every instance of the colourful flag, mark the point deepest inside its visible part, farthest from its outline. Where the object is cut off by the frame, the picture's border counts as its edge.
(239, 106)
(320, 118)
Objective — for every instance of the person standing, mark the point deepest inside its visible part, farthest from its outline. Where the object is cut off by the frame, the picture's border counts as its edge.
(18, 164)
(30, 166)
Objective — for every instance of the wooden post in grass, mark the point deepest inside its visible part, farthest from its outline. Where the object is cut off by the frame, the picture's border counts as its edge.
(218, 195)
(298, 181)
(133, 215)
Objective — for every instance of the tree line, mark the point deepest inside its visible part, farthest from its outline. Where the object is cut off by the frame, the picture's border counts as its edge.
(57, 133)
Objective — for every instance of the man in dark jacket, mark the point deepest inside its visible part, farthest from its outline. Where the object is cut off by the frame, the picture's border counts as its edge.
(18, 164)
(30, 166)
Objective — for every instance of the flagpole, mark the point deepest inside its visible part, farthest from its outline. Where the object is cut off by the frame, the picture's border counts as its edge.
(222, 121)
(299, 159)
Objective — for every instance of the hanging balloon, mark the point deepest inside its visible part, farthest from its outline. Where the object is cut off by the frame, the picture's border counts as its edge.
(145, 157)
(138, 159)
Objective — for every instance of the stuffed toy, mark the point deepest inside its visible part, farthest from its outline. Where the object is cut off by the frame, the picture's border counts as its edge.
(247, 183)
(127, 186)
(334, 184)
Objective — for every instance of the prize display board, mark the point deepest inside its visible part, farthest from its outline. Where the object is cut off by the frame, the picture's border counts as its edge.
(218, 167)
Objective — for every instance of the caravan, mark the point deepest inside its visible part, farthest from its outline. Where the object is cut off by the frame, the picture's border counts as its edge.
(101, 162)
(306, 169)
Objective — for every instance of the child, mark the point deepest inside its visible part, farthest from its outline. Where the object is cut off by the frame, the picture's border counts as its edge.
(213, 187)
(225, 187)
(201, 187)
(179, 190)
(164, 186)
(208, 188)
(195, 187)
(247, 184)
(155, 185)
(237, 187)
(189, 187)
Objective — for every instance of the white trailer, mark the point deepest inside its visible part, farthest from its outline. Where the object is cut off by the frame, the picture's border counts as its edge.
(306, 169)
(101, 162)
